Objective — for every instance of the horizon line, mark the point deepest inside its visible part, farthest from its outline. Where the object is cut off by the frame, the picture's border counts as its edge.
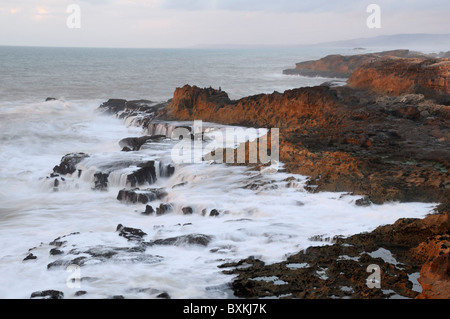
(236, 45)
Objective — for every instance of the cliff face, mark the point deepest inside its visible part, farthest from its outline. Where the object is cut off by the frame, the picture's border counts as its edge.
(294, 108)
(389, 148)
(395, 76)
(385, 135)
(342, 66)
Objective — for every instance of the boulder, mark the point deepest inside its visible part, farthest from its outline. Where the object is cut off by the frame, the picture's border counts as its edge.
(69, 162)
(101, 181)
(146, 174)
(164, 209)
(30, 256)
(132, 234)
(47, 294)
(191, 239)
(148, 210)
(135, 143)
(113, 106)
(214, 213)
(365, 201)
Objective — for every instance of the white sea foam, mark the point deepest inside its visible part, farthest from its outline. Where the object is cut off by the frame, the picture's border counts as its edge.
(260, 215)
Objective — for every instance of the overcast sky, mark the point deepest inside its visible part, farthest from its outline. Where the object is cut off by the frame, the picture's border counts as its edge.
(184, 23)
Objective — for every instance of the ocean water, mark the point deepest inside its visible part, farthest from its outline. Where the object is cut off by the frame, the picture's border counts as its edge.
(268, 216)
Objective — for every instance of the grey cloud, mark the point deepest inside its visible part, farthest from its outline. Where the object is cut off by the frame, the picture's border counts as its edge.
(303, 5)
(260, 5)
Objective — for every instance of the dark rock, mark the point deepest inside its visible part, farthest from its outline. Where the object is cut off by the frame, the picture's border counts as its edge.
(409, 112)
(166, 170)
(187, 210)
(164, 208)
(101, 181)
(322, 271)
(163, 295)
(365, 201)
(113, 106)
(192, 239)
(214, 212)
(50, 99)
(101, 254)
(135, 143)
(143, 196)
(58, 242)
(79, 261)
(80, 293)
(30, 256)
(69, 162)
(148, 210)
(179, 185)
(132, 234)
(56, 251)
(334, 83)
(146, 174)
(141, 105)
(117, 297)
(47, 294)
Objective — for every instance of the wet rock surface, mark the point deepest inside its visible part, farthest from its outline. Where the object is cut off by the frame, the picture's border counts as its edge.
(129, 233)
(135, 143)
(69, 162)
(341, 269)
(47, 294)
(71, 251)
(388, 145)
(145, 174)
(385, 137)
(192, 239)
(143, 196)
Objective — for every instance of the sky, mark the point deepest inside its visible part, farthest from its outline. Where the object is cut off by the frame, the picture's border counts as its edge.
(189, 23)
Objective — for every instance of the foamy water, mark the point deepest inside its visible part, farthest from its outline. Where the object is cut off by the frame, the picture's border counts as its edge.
(268, 216)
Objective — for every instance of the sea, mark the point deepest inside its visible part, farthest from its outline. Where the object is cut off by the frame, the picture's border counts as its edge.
(44, 230)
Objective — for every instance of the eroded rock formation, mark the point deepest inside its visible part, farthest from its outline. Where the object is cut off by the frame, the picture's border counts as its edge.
(385, 135)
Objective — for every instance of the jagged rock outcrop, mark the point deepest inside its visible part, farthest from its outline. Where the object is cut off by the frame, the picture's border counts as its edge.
(386, 136)
(395, 76)
(144, 196)
(389, 148)
(291, 109)
(342, 66)
(340, 270)
(69, 162)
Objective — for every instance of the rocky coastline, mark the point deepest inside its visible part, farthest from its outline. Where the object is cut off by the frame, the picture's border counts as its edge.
(385, 135)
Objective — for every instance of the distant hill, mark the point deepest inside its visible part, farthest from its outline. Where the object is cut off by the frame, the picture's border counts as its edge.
(420, 42)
